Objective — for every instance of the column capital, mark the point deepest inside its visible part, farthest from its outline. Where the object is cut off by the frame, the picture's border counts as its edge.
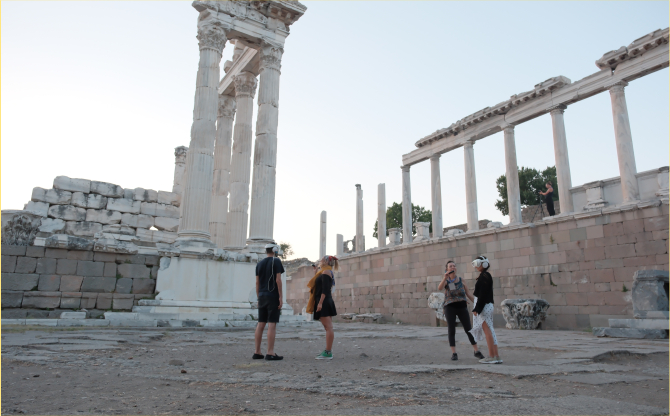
(245, 84)
(180, 154)
(617, 86)
(212, 36)
(507, 128)
(270, 55)
(558, 109)
(227, 106)
(435, 156)
(358, 186)
(469, 143)
(405, 168)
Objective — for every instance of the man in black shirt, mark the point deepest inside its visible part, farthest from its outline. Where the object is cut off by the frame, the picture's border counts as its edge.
(269, 293)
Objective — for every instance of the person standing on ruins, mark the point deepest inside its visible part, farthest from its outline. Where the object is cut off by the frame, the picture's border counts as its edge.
(483, 311)
(456, 294)
(269, 293)
(549, 198)
(321, 301)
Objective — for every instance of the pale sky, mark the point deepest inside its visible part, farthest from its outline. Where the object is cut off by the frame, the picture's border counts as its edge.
(104, 91)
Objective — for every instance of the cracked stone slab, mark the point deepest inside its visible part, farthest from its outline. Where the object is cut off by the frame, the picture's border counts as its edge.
(603, 378)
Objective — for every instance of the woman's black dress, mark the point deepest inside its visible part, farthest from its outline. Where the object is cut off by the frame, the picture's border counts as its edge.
(549, 199)
(323, 285)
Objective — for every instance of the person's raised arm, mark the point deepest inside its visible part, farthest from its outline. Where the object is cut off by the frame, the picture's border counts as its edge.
(443, 283)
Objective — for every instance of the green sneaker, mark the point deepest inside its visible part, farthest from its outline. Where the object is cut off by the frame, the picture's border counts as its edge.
(325, 356)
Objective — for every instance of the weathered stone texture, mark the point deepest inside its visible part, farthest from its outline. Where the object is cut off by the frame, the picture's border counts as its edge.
(70, 283)
(143, 285)
(123, 205)
(82, 228)
(98, 284)
(90, 268)
(49, 283)
(18, 281)
(124, 285)
(67, 212)
(106, 189)
(41, 300)
(11, 298)
(72, 185)
(25, 265)
(135, 271)
(8, 264)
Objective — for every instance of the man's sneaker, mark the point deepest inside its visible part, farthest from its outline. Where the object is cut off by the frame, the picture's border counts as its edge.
(498, 360)
(454, 357)
(273, 357)
(478, 354)
(490, 360)
(325, 355)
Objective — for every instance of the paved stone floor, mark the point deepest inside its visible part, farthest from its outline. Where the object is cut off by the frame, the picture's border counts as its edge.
(377, 369)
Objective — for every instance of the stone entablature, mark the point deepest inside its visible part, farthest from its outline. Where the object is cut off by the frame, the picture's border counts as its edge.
(579, 263)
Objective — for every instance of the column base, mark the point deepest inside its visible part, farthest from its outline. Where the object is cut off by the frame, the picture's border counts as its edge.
(194, 245)
(257, 246)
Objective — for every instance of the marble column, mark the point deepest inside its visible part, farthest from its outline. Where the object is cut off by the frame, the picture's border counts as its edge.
(624, 144)
(179, 169)
(381, 215)
(512, 175)
(562, 160)
(240, 166)
(436, 195)
(261, 224)
(322, 236)
(360, 237)
(406, 206)
(339, 245)
(221, 182)
(194, 223)
(471, 186)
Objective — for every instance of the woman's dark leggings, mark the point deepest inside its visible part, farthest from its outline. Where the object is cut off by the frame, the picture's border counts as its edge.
(464, 317)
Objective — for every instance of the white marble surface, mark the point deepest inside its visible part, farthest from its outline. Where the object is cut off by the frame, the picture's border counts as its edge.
(563, 176)
(470, 186)
(179, 169)
(381, 215)
(394, 236)
(360, 239)
(221, 176)
(322, 235)
(512, 174)
(406, 206)
(436, 195)
(624, 143)
(339, 245)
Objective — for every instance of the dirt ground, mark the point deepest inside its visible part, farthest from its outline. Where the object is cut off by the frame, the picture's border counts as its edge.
(50, 371)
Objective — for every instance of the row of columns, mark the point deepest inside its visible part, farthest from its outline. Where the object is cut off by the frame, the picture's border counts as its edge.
(625, 155)
(218, 162)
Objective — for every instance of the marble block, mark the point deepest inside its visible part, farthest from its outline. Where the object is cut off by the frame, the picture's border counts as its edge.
(650, 292)
(106, 189)
(524, 313)
(169, 198)
(72, 185)
(82, 228)
(57, 197)
(38, 195)
(67, 212)
(166, 224)
(94, 201)
(37, 208)
(137, 221)
(124, 205)
(422, 231)
(52, 225)
(145, 195)
(159, 210)
(103, 216)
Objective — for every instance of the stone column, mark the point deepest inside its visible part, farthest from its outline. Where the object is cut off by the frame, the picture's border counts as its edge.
(406, 206)
(436, 195)
(471, 186)
(261, 224)
(624, 144)
(339, 245)
(179, 169)
(512, 174)
(562, 160)
(360, 237)
(221, 182)
(322, 236)
(381, 215)
(240, 167)
(194, 223)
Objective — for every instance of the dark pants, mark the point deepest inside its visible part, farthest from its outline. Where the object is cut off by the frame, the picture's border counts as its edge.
(464, 316)
(550, 208)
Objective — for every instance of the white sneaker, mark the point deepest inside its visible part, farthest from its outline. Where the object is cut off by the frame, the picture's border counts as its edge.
(498, 360)
(489, 360)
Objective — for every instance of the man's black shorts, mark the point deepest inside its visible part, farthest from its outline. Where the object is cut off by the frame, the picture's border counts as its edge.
(268, 310)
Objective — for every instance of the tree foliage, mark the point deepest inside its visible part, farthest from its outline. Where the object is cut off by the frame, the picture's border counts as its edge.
(287, 250)
(394, 218)
(531, 182)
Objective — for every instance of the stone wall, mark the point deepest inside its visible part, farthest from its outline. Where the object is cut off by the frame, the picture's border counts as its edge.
(529, 213)
(582, 264)
(39, 278)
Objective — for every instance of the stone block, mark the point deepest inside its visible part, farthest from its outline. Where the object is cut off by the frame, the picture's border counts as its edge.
(58, 197)
(135, 271)
(124, 285)
(82, 228)
(90, 268)
(72, 185)
(34, 251)
(88, 300)
(109, 270)
(37, 314)
(52, 225)
(128, 193)
(145, 195)
(8, 250)
(70, 302)
(12, 298)
(41, 300)
(37, 208)
(67, 212)
(118, 228)
(92, 201)
(38, 195)
(103, 216)
(19, 281)
(651, 248)
(66, 266)
(166, 224)
(123, 302)
(594, 253)
(656, 223)
(70, 283)
(152, 260)
(55, 253)
(104, 257)
(80, 255)
(98, 284)
(609, 264)
(156, 236)
(159, 210)
(73, 315)
(138, 221)
(130, 258)
(49, 283)
(144, 285)
(106, 189)
(620, 251)
(629, 333)
(613, 229)
(124, 205)
(8, 264)
(649, 293)
(169, 198)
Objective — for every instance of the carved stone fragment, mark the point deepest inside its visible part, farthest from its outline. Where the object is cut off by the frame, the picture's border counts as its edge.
(524, 313)
(21, 230)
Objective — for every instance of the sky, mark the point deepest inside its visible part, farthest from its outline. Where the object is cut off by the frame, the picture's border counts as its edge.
(104, 91)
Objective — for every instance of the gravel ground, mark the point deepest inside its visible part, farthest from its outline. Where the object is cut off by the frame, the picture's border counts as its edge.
(377, 369)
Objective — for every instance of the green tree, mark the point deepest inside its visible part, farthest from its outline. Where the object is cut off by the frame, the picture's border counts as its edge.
(394, 218)
(531, 182)
(287, 250)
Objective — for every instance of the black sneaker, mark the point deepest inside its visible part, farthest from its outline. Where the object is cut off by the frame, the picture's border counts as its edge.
(454, 357)
(479, 355)
(257, 356)
(273, 357)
